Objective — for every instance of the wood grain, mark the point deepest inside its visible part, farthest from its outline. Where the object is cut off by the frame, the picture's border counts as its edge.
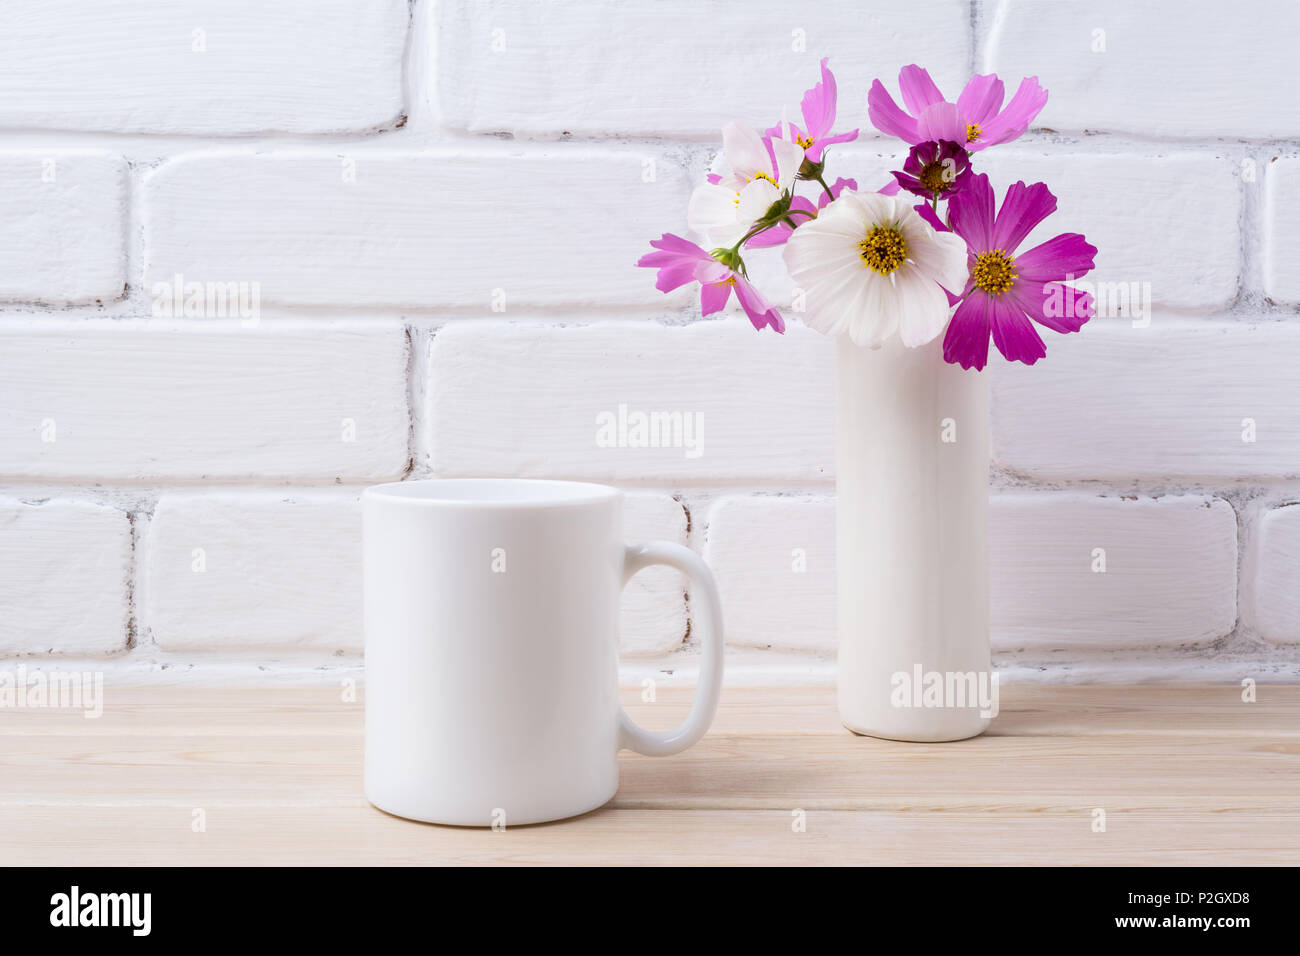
(1185, 775)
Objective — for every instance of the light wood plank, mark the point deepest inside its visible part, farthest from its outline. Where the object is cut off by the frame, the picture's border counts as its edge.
(92, 836)
(1184, 774)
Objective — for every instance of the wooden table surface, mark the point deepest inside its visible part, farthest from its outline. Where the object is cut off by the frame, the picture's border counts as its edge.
(1183, 775)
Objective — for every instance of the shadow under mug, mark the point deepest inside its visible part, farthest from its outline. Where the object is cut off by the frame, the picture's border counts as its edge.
(491, 635)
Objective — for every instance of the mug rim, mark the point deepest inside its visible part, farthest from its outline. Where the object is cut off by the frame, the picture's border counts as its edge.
(504, 492)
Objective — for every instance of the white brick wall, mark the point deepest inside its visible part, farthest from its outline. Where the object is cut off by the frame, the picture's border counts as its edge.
(65, 574)
(62, 226)
(201, 66)
(440, 207)
(1177, 69)
(271, 570)
(1278, 587)
(412, 229)
(1067, 571)
(1176, 400)
(663, 69)
(202, 399)
(765, 402)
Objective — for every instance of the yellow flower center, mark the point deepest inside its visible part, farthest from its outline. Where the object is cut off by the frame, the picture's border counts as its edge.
(762, 175)
(972, 132)
(935, 176)
(884, 250)
(804, 141)
(993, 272)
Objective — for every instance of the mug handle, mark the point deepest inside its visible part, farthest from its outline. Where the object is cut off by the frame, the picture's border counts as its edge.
(705, 705)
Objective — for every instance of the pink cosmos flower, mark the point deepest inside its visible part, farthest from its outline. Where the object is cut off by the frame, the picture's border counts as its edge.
(779, 233)
(818, 117)
(976, 120)
(1004, 291)
(935, 169)
(680, 261)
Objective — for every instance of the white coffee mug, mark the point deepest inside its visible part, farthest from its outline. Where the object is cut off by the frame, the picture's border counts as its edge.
(491, 620)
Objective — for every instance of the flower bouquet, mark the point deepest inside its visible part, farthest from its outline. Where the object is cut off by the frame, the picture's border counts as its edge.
(911, 280)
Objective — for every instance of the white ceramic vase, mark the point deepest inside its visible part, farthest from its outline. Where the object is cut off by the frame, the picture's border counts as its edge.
(912, 456)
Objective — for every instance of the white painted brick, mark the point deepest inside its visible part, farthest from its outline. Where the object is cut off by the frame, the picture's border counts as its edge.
(202, 399)
(298, 66)
(64, 577)
(282, 569)
(653, 619)
(1170, 571)
(1170, 578)
(62, 226)
(1281, 231)
(1277, 588)
(564, 227)
(675, 68)
(774, 558)
(524, 399)
(1129, 206)
(1161, 402)
(1178, 68)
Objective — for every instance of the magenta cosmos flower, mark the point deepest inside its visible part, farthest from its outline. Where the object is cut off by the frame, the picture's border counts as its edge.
(978, 120)
(1007, 293)
(680, 261)
(935, 169)
(818, 117)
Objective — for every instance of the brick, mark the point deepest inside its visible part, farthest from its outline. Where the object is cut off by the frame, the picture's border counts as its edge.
(1277, 587)
(1171, 68)
(774, 558)
(202, 66)
(653, 619)
(531, 400)
(62, 226)
(1126, 204)
(1169, 401)
(202, 399)
(282, 569)
(413, 230)
(1170, 573)
(279, 569)
(64, 577)
(1281, 232)
(666, 69)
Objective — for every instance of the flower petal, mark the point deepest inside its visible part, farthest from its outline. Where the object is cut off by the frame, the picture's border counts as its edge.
(1013, 333)
(1023, 208)
(1057, 306)
(786, 158)
(942, 121)
(1067, 256)
(967, 340)
(1023, 109)
(713, 297)
(887, 117)
(760, 311)
(980, 100)
(745, 151)
(918, 89)
(942, 257)
(818, 105)
(815, 151)
(923, 307)
(970, 214)
(712, 211)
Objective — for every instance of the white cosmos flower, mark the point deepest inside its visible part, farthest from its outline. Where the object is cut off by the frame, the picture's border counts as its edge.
(870, 266)
(749, 180)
